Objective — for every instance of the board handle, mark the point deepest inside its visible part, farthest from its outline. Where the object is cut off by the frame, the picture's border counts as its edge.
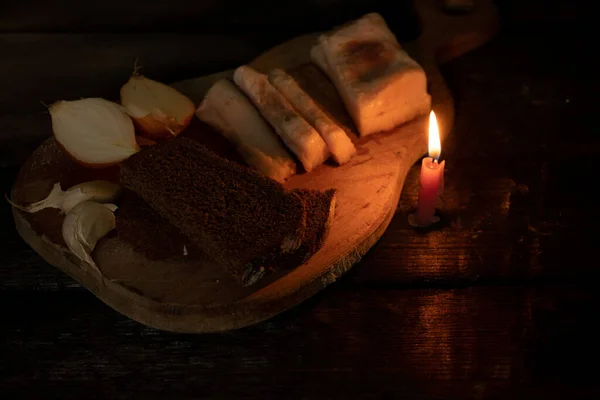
(446, 36)
(450, 35)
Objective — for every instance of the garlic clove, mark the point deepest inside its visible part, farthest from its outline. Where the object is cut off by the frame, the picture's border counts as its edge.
(94, 132)
(85, 225)
(111, 207)
(99, 191)
(158, 110)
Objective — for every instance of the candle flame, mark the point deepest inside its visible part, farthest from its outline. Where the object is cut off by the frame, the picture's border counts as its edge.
(435, 147)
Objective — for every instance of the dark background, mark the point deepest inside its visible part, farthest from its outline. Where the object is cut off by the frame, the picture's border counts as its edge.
(502, 303)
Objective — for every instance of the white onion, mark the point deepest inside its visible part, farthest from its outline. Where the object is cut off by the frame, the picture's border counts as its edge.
(158, 110)
(95, 132)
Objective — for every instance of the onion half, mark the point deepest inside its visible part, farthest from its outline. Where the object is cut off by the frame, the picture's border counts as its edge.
(158, 110)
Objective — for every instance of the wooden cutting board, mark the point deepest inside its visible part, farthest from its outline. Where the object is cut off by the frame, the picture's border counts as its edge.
(187, 294)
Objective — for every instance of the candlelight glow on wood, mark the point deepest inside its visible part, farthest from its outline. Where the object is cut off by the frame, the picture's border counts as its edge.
(432, 179)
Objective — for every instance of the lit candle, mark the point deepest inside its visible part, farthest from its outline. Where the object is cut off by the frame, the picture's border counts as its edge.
(432, 179)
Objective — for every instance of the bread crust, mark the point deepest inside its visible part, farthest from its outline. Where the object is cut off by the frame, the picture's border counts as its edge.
(237, 217)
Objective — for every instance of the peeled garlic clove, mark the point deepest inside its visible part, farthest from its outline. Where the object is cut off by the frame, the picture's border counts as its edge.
(99, 191)
(111, 207)
(84, 225)
(89, 234)
(158, 110)
(94, 132)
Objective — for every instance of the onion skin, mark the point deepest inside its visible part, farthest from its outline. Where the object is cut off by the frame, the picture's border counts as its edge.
(159, 111)
(143, 141)
(157, 127)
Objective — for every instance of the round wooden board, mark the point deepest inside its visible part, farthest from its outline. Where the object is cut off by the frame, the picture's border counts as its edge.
(186, 294)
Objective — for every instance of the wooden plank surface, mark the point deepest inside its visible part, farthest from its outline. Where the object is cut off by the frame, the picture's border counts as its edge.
(46, 67)
(40, 69)
(516, 183)
(512, 119)
(192, 16)
(368, 188)
(473, 343)
(43, 68)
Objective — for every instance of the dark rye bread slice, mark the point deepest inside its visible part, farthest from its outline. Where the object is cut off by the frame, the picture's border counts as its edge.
(239, 218)
(320, 208)
(147, 232)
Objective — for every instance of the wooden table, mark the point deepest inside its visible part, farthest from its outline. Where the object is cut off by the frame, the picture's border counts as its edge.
(501, 303)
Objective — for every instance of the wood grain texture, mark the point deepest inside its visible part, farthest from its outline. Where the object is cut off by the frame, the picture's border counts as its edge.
(71, 62)
(462, 344)
(513, 123)
(206, 300)
(516, 194)
(47, 61)
(44, 68)
(194, 296)
(126, 274)
(189, 16)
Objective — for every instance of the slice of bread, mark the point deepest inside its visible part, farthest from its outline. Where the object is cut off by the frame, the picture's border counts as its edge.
(320, 208)
(147, 232)
(238, 217)
(321, 211)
